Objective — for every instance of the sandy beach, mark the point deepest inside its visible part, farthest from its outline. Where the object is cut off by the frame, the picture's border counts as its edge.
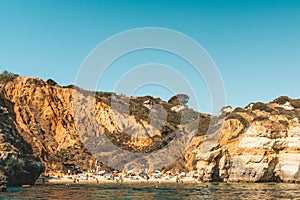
(102, 179)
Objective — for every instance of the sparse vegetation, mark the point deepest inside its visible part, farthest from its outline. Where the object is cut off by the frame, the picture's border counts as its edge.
(138, 111)
(72, 87)
(295, 103)
(6, 77)
(51, 82)
(281, 100)
(260, 118)
(283, 122)
(240, 118)
(290, 114)
(179, 99)
(104, 97)
(262, 107)
(239, 109)
(105, 94)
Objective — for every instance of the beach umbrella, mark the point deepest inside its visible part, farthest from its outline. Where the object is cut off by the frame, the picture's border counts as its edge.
(143, 175)
(192, 172)
(157, 171)
(106, 174)
(130, 171)
(101, 172)
(81, 175)
(168, 172)
(182, 174)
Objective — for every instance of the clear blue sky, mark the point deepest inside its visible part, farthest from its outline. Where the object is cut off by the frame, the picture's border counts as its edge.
(255, 44)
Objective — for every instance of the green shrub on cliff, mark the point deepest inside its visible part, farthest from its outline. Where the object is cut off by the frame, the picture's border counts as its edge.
(282, 100)
(262, 107)
(72, 87)
(51, 82)
(238, 117)
(239, 109)
(105, 94)
(138, 109)
(296, 103)
(179, 99)
(6, 77)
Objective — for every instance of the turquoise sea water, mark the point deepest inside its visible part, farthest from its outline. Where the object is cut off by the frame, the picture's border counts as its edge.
(156, 191)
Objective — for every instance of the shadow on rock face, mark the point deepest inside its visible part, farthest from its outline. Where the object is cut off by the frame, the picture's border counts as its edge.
(17, 163)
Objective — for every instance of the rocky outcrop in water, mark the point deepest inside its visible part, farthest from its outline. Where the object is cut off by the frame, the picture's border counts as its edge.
(17, 164)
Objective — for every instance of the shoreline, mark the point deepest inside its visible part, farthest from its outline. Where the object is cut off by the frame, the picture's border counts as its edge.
(102, 180)
(136, 180)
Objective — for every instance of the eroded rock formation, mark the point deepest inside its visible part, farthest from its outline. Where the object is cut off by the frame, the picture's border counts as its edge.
(66, 125)
(17, 163)
(257, 144)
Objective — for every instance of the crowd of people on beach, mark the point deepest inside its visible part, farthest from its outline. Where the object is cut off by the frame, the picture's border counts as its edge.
(120, 177)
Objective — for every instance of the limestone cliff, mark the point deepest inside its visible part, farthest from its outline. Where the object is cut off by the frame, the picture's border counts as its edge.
(259, 143)
(17, 164)
(66, 125)
(44, 118)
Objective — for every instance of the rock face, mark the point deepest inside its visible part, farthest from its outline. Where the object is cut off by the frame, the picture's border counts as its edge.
(257, 144)
(17, 164)
(65, 125)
